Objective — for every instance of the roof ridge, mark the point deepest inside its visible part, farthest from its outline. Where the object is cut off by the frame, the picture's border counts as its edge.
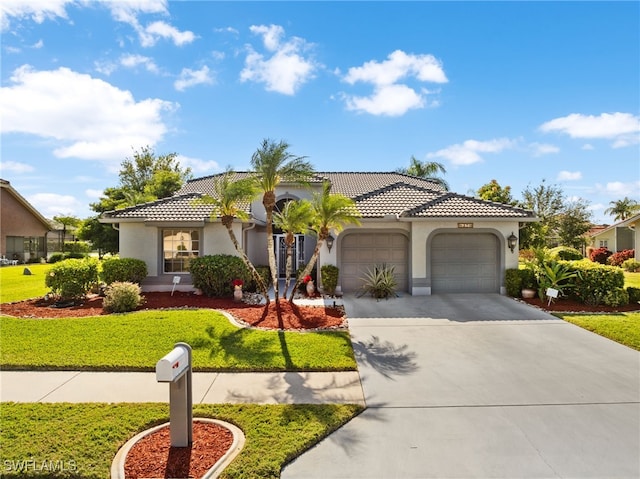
(159, 201)
(389, 187)
(428, 204)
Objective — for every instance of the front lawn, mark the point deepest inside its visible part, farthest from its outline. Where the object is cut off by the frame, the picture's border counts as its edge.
(136, 341)
(16, 286)
(631, 279)
(623, 328)
(81, 440)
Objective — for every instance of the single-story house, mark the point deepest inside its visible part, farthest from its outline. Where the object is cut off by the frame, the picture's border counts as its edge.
(438, 241)
(617, 237)
(23, 230)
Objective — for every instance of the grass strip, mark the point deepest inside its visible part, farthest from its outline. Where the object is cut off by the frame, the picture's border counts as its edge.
(16, 286)
(135, 342)
(73, 441)
(623, 328)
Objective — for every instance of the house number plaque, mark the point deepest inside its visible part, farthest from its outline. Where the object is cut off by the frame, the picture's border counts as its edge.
(465, 225)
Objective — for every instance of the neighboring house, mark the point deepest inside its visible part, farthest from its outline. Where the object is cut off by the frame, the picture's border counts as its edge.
(617, 237)
(632, 224)
(23, 229)
(439, 242)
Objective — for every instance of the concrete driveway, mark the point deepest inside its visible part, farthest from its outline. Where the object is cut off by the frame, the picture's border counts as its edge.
(479, 386)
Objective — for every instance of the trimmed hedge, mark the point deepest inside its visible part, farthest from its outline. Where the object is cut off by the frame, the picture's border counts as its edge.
(71, 279)
(631, 265)
(566, 253)
(122, 297)
(616, 297)
(634, 294)
(123, 270)
(513, 282)
(593, 281)
(214, 274)
(329, 275)
(600, 255)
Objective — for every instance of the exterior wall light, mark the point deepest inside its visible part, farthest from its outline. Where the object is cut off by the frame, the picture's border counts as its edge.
(330, 240)
(512, 241)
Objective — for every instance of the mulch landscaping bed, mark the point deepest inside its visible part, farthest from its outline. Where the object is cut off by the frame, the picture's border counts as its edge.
(568, 305)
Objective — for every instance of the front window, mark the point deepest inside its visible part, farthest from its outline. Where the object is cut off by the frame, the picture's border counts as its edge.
(178, 247)
(604, 244)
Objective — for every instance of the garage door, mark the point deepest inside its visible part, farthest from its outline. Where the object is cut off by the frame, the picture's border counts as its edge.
(465, 263)
(361, 251)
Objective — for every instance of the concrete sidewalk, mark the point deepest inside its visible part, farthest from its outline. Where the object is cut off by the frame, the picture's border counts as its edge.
(208, 388)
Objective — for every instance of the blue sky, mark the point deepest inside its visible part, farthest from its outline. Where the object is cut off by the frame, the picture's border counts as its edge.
(512, 91)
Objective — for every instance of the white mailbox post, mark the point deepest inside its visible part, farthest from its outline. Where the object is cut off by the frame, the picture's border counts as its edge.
(175, 369)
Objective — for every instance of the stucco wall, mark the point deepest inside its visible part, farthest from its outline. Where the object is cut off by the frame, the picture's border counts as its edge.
(141, 242)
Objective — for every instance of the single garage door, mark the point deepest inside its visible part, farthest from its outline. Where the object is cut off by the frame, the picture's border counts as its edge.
(361, 251)
(465, 263)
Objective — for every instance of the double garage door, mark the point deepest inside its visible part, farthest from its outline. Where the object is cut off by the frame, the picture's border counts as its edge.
(465, 263)
(361, 251)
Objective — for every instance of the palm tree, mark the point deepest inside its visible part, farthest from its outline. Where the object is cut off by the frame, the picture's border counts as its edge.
(427, 170)
(65, 221)
(331, 212)
(272, 164)
(623, 209)
(294, 218)
(230, 194)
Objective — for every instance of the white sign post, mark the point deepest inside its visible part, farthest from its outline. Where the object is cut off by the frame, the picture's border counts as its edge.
(176, 280)
(175, 369)
(552, 294)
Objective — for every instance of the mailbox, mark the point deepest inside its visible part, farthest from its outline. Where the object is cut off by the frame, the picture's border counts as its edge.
(173, 365)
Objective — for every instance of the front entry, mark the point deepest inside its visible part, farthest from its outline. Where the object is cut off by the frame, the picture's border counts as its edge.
(281, 254)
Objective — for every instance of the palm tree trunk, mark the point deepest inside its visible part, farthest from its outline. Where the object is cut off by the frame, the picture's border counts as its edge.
(254, 273)
(289, 268)
(269, 203)
(309, 267)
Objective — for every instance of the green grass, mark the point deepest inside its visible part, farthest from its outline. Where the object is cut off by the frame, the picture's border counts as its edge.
(623, 328)
(84, 438)
(136, 341)
(15, 286)
(631, 279)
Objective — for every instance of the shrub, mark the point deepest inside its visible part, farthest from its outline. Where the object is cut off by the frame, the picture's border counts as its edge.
(122, 297)
(634, 294)
(265, 274)
(214, 274)
(528, 278)
(80, 247)
(600, 255)
(380, 281)
(71, 279)
(593, 281)
(526, 255)
(566, 253)
(555, 275)
(513, 282)
(631, 265)
(616, 259)
(329, 278)
(56, 257)
(123, 270)
(616, 297)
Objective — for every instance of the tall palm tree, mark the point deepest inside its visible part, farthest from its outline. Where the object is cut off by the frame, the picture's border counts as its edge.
(294, 218)
(428, 170)
(272, 164)
(331, 212)
(229, 196)
(623, 209)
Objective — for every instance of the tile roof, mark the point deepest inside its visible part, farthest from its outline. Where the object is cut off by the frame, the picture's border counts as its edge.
(377, 194)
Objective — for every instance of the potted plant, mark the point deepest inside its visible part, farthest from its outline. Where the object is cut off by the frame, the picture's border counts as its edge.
(529, 283)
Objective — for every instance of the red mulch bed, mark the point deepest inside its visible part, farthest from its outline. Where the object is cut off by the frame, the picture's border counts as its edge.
(153, 456)
(569, 305)
(288, 316)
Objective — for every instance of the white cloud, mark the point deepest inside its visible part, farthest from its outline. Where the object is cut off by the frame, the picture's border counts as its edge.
(15, 167)
(199, 166)
(620, 188)
(587, 147)
(622, 128)
(157, 30)
(286, 70)
(569, 175)
(390, 96)
(94, 194)
(37, 11)
(89, 118)
(189, 78)
(540, 149)
(37, 45)
(52, 204)
(133, 61)
(468, 152)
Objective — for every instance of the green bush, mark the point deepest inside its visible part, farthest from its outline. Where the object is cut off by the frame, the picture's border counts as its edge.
(634, 294)
(616, 259)
(528, 277)
(56, 257)
(380, 281)
(214, 274)
(265, 274)
(123, 270)
(122, 297)
(71, 279)
(616, 297)
(329, 274)
(566, 253)
(78, 247)
(593, 281)
(513, 282)
(631, 265)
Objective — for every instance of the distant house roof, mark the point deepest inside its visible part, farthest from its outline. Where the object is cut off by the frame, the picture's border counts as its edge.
(376, 194)
(6, 185)
(628, 222)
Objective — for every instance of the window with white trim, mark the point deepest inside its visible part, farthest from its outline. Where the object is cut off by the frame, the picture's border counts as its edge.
(179, 246)
(604, 243)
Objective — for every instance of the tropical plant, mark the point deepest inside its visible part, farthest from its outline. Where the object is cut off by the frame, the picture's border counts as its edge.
(623, 209)
(66, 221)
(380, 281)
(616, 259)
(294, 218)
(272, 164)
(600, 255)
(330, 212)
(230, 195)
(427, 170)
(554, 275)
(329, 278)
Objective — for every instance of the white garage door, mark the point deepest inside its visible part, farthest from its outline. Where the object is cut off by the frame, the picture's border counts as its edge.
(465, 263)
(361, 251)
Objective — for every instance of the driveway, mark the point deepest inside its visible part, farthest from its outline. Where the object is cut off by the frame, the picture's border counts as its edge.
(478, 386)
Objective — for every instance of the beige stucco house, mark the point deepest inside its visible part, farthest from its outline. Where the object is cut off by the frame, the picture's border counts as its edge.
(438, 241)
(617, 237)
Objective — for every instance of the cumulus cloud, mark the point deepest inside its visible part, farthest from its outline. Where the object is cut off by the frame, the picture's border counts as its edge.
(199, 166)
(569, 175)
(189, 78)
(284, 69)
(89, 118)
(587, 147)
(34, 11)
(52, 204)
(128, 60)
(391, 95)
(468, 152)
(622, 128)
(620, 188)
(157, 30)
(540, 149)
(15, 167)
(93, 194)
